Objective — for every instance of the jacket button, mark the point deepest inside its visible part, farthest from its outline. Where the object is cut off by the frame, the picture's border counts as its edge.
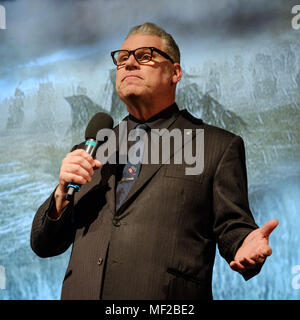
(116, 223)
(100, 260)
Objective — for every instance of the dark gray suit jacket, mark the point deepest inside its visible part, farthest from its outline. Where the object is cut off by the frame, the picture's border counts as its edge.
(162, 242)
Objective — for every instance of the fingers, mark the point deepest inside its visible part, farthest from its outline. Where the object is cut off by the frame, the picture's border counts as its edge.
(74, 174)
(243, 264)
(83, 154)
(236, 266)
(246, 263)
(77, 167)
(255, 248)
(97, 163)
(268, 227)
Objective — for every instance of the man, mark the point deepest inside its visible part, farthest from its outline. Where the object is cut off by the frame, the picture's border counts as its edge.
(158, 243)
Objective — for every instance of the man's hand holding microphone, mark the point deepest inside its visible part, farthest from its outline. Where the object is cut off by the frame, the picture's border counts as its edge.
(78, 166)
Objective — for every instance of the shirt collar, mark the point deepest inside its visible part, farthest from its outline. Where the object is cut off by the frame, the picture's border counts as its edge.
(160, 121)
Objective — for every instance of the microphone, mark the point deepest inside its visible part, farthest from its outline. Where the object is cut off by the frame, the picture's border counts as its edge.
(99, 121)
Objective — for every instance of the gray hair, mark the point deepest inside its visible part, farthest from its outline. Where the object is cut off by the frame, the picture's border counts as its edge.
(152, 29)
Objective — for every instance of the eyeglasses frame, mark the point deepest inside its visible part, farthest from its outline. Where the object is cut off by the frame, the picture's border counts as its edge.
(165, 55)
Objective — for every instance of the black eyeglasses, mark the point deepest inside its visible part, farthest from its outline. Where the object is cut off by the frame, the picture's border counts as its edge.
(141, 55)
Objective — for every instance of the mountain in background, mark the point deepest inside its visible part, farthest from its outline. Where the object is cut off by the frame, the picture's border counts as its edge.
(82, 110)
(209, 109)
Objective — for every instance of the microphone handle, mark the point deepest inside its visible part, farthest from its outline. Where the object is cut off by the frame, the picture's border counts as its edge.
(91, 148)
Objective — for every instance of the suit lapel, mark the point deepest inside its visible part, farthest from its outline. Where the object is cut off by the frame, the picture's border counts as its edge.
(109, 172)
(111, 197)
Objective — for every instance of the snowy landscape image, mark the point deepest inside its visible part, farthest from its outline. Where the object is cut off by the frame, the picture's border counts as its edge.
(244, 80)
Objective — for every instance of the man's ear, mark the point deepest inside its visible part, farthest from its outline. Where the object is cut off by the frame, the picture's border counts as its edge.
(177, 73)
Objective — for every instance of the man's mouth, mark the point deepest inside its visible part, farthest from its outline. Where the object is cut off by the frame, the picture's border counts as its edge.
(131, 76)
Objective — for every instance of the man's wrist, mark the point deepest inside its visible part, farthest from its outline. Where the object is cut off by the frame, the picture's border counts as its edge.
(60, 203)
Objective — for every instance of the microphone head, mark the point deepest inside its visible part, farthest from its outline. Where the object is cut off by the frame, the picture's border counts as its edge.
(99, 121)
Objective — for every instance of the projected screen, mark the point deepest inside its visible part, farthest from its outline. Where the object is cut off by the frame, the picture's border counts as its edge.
(241, 72)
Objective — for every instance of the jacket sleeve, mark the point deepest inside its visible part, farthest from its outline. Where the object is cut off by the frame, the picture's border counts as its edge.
(233, 220)
(51, 237)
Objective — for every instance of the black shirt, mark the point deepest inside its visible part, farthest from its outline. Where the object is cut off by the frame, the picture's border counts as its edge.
(161, 120)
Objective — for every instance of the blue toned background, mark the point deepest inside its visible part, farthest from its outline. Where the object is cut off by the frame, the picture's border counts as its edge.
(241, 72)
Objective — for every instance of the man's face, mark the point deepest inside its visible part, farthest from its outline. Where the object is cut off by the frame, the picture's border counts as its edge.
(150, 81)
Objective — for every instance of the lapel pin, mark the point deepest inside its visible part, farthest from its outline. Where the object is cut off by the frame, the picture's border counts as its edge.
(127, 179)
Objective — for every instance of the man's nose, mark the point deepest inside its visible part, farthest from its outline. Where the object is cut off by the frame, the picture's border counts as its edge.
(131, 62)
